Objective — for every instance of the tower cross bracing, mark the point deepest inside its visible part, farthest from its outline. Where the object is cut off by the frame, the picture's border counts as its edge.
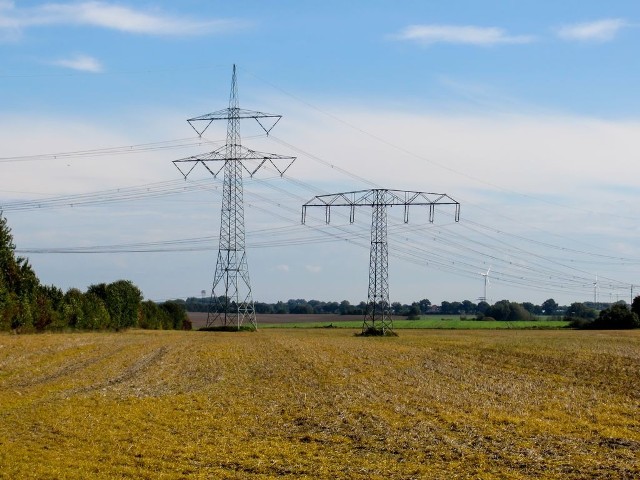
(377, 317)
(231, 297)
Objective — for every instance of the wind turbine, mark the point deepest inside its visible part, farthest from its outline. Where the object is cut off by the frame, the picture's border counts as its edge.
(486, 283)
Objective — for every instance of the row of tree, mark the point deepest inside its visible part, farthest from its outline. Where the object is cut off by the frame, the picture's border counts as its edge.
(616, 316)
(581, 315)
(26, 305)
(421, 307)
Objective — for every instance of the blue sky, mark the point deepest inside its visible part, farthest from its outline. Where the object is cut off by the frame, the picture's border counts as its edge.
(526, 112)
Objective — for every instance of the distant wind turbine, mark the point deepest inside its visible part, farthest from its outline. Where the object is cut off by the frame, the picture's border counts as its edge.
(486, 283)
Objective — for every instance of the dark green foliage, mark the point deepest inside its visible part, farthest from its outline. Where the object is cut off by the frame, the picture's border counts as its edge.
(507, 311)
(482, 307)
(549, 306)
(414, 312)
(376, 332)
(635, 306)
(580, 315)
(424, 305)
(122, 299)
(228, 328)
(264, 307)
(177, 315)
(151, 317)
(95, 315)
(617, 316)
(27, 306)
(18, 286)
(168, 315)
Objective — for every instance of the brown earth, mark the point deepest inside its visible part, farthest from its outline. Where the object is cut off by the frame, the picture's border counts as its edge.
(199, 319)
(320, 404)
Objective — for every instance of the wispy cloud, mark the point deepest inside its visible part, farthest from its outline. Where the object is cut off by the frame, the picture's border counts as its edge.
(459, 34)
(313, 268)
(283, 268)
(109, 16)
(597, 31)
(82, 63)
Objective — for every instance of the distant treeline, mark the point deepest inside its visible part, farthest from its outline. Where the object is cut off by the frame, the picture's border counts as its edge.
(28, 306)
(580, 315)
(421, 307)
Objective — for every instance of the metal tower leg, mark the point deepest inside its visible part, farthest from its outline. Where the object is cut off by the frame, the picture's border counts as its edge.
(232, 302)
(377, 316)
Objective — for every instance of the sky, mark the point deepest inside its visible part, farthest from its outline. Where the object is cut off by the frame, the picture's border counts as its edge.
(527, 113)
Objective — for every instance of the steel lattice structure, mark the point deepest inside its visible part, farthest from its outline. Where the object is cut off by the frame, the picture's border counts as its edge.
(235, 305)
(377, 318)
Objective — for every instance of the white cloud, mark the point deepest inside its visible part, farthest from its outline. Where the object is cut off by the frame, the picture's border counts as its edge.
(83, 63)
(283, 268)
(557, 159)
(107, 15)
(459, 34)
(598, 31)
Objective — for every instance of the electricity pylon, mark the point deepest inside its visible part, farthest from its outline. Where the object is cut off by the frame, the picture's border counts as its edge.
(377, 318)
(231, 299)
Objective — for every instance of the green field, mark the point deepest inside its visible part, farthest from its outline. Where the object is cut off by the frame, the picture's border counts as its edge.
(450, 322)
(320, 403)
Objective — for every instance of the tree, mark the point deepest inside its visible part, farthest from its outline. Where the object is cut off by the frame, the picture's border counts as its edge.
(178, 319)
(549, 306)
(414, 312)
(635, 306)
(152, 317)
(261, 307)
(396, 308)
(482, 307)
(580, 310)
(346, 308)
(281, 308)
(505, 310)
(617, 316)
(301, 309)
(122, 299)
(424, 305)
(580, 315)
(469, 307)
(445, 307)
(95, 315)
(18, 285)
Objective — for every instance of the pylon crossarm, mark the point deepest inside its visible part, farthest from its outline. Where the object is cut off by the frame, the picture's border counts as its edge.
(229, 112)
(242, 153)
(231, 290)
(377, 318)
(374, 197)
(267, 130)
(232, 114)
(185, 175)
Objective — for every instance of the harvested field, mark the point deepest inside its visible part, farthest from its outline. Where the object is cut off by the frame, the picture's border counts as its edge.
(320, 404)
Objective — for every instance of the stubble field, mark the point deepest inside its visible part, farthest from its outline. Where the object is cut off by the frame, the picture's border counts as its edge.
(320, 403)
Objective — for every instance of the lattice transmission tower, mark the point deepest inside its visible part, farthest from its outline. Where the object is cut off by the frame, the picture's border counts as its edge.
(377, 317)
(231, 298)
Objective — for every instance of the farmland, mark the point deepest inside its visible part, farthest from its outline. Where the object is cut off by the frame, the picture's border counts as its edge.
(320, 403)
(355, 321)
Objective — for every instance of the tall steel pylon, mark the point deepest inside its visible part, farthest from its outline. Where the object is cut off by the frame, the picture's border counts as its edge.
(231, 298)
(377, 317)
